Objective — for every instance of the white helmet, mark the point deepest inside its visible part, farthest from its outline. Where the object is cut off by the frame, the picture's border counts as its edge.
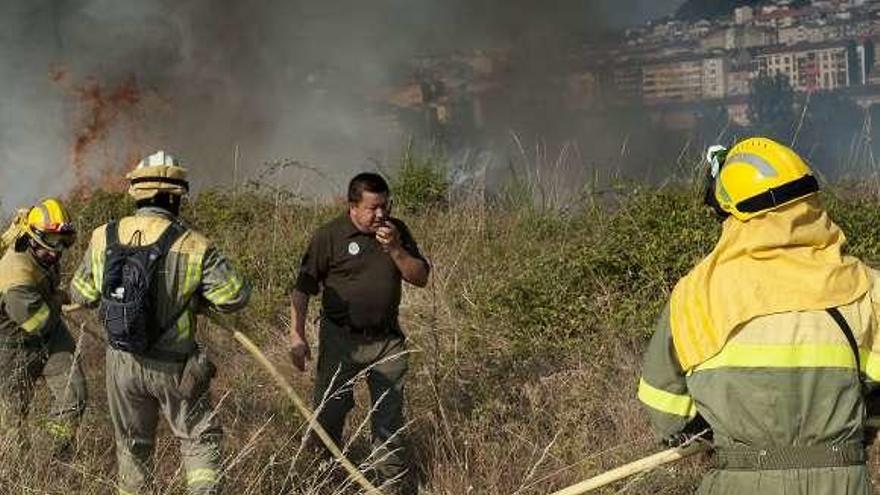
(159, 172)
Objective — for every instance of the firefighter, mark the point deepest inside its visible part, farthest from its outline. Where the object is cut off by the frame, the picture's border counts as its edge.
(770, 340)
(34, 340)
(164, 371)
(358, 261)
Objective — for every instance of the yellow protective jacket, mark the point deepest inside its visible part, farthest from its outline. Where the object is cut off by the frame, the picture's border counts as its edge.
(30, 304)
(195, 275)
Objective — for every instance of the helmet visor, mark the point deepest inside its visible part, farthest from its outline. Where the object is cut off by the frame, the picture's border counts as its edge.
(56, 241)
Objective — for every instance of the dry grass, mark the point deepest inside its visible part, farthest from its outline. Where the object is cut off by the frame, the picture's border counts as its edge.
(526, 348)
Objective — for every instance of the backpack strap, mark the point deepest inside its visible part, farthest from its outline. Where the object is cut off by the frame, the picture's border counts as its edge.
(112, 233)
(163, 244)
(169, 236)
(850, 338)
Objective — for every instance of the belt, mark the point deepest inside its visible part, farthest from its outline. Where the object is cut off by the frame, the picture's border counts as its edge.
(368, 331)
(790, 457)
(371, 331)
(163, 356)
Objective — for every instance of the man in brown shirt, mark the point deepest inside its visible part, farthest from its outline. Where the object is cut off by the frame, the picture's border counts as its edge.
(357, 262)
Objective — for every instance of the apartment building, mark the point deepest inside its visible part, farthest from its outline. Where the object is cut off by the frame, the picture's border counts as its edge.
(808, 67)
(714, 77)
(737, 37)
(739, 76)
(624, 81)
(802, 33)
(675, 80)
(684, 79)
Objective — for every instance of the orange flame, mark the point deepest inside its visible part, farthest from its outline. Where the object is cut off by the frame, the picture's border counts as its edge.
(101, 111)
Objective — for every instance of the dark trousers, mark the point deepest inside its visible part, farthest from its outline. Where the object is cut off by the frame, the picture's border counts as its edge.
(343, 357)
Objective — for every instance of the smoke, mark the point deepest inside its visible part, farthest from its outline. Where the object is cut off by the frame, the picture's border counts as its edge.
(276, 79)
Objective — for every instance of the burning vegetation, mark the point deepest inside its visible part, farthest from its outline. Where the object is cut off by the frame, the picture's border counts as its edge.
(107, 124)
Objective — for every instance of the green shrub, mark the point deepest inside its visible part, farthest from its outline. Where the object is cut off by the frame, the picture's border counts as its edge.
(597, 273)
(859, 219)
(420, 183)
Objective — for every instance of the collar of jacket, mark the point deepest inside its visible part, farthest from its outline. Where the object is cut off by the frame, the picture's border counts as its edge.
(53, 272)
(350, 229)
(154, 211)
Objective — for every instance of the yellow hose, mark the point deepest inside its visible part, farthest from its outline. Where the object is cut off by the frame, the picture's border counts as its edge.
(640, 466)
(304, 411)
(287, 388)
(646, 464)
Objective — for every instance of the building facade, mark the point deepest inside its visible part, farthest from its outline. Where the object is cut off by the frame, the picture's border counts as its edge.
(809, 67)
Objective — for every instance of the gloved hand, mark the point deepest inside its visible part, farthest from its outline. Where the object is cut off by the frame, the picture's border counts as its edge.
(59, 298)
(696, 426)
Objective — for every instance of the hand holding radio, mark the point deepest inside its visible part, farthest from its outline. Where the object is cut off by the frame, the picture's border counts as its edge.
(388, 236)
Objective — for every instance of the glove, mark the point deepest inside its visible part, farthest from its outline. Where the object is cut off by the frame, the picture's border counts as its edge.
(695, 427)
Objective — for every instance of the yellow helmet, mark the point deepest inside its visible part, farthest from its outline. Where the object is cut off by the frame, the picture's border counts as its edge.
(50, 226)
(758, 175)
(159, 172)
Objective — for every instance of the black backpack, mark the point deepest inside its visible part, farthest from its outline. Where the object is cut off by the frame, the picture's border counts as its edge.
(128, 294)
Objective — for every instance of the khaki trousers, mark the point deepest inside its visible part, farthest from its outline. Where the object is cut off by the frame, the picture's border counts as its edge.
(21, 366)
(138, 391)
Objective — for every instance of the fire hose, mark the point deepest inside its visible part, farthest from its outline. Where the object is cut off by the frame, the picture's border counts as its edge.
(639, 466)
(642, 465)
(288, 390)
(692, 447)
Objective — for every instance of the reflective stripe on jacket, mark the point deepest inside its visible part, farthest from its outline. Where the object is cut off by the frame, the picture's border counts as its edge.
(781, 380)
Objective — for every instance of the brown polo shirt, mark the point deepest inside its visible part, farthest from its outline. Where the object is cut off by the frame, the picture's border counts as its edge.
(360, 282)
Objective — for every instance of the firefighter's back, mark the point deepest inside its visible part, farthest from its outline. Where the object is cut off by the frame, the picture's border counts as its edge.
(784, 400)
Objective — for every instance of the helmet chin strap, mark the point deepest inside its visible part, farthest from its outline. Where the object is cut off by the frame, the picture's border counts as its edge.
(710, 200)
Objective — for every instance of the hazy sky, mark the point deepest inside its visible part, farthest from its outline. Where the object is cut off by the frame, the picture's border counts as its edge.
(280, 78)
